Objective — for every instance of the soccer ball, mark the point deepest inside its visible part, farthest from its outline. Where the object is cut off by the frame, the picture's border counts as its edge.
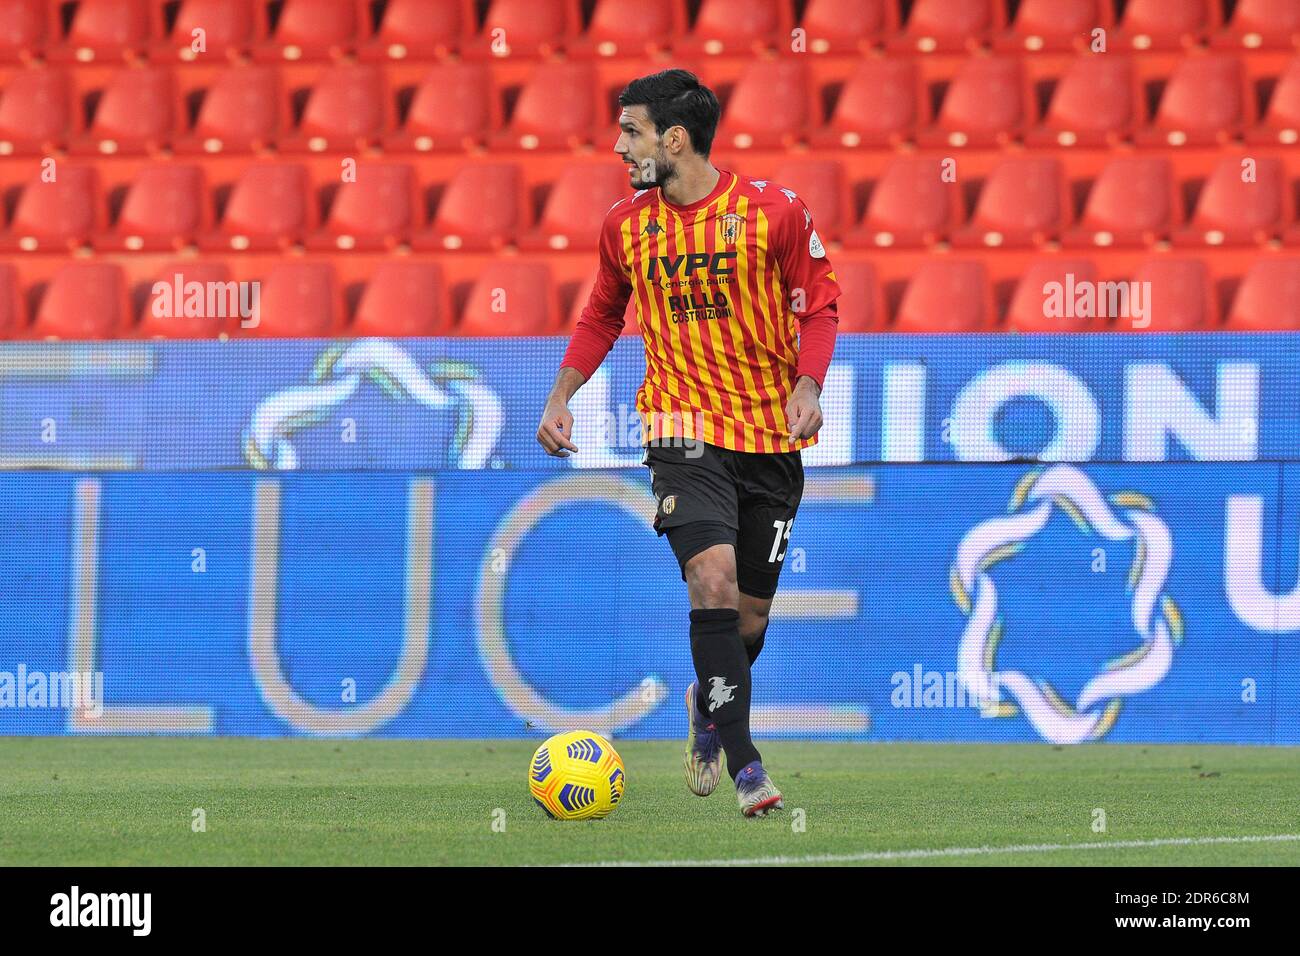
(576, 776)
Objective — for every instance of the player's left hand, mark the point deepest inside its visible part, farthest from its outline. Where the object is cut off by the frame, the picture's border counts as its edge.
(804, 410)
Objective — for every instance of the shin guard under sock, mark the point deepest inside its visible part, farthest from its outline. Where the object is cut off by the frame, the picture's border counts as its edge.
(722, 672)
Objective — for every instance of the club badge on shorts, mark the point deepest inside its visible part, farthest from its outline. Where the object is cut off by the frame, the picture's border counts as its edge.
(669, 504)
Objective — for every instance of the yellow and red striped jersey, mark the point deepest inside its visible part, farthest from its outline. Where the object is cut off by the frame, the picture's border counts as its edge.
(719, 287)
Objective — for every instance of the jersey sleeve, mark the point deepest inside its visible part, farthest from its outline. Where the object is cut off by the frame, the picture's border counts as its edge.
(817, 344)
(601, 321)
(810, 288)
(806, 273)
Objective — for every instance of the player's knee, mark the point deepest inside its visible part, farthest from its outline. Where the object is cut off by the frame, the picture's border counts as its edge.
(753, 625)
(711, 578)
(713, 590)
(754, 613)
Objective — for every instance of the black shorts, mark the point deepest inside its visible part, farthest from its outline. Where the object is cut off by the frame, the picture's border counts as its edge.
(709, 495)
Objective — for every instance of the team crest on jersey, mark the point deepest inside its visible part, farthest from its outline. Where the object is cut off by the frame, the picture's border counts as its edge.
(729, 227)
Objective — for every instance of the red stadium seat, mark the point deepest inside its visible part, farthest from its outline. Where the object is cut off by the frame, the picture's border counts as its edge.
(738, 27)
(631, 28)
(913, 204)
(347, 109)
(846, 26)
(576, 206)
(950, 25)
(861, 306)
(986, 104)
(57, 216)
(1234, 211)
(134, 115)
(1023, 202)
(166, 207)
(404, 299)
(771, 106)
(525, 28)
(1262, 23)
(1056, 24)
(1166, 24)
(26, 26)
(1095, 103)
(1182, 297)
(314, 30)
(104, 30)
(1268, 298)
(947, 295)
(820, 184)
(298, 300)
(1038, 307)
(511, 298)
(230, 29)
(482, 208)
(1206, 101)
(84, 300)
(1281, 121)
(1133, 202)
(13, 320)
(557, 109)
(244, 110)
(631, 326)
(379, 210)
(880, 105)
(36, 115)
(453, 108)
(270, 207)
(420, 30)
(213, 312)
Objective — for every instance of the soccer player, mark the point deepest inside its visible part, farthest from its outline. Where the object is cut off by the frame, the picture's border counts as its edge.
(721, 268)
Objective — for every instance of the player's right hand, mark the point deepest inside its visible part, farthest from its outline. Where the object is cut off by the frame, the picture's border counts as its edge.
(556, 427)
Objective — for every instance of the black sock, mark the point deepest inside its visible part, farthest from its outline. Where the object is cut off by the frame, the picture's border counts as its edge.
(753, 649)
(722, 671)
(756, 647)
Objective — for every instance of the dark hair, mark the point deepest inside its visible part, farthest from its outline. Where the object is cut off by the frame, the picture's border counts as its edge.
(677, 98)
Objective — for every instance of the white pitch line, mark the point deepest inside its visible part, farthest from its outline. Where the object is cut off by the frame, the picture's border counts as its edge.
(954, 851)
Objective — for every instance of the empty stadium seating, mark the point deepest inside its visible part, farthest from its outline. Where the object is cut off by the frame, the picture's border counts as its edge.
(1268, 297)
(1132, 202)
(1095, 102)
(404, 298)
(60, 212)
(417, 29)
(947, 296)
(226, 28)
(1026, 312)
(243, 110)
(391, 167)
(160, 318)
(84, 300)
(1022, 202)
(35, 111)
(985, 104)
(270, 206)
(912, 204)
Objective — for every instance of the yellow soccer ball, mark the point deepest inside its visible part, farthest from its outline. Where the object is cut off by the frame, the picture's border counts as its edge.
(576, 776)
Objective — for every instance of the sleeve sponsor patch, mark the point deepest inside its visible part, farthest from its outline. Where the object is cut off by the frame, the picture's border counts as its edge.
(815, 248)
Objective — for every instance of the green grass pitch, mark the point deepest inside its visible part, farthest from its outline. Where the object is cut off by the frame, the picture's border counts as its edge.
(122, 801)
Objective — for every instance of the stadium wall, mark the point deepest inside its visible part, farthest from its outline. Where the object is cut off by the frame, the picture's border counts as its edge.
(324, 538)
